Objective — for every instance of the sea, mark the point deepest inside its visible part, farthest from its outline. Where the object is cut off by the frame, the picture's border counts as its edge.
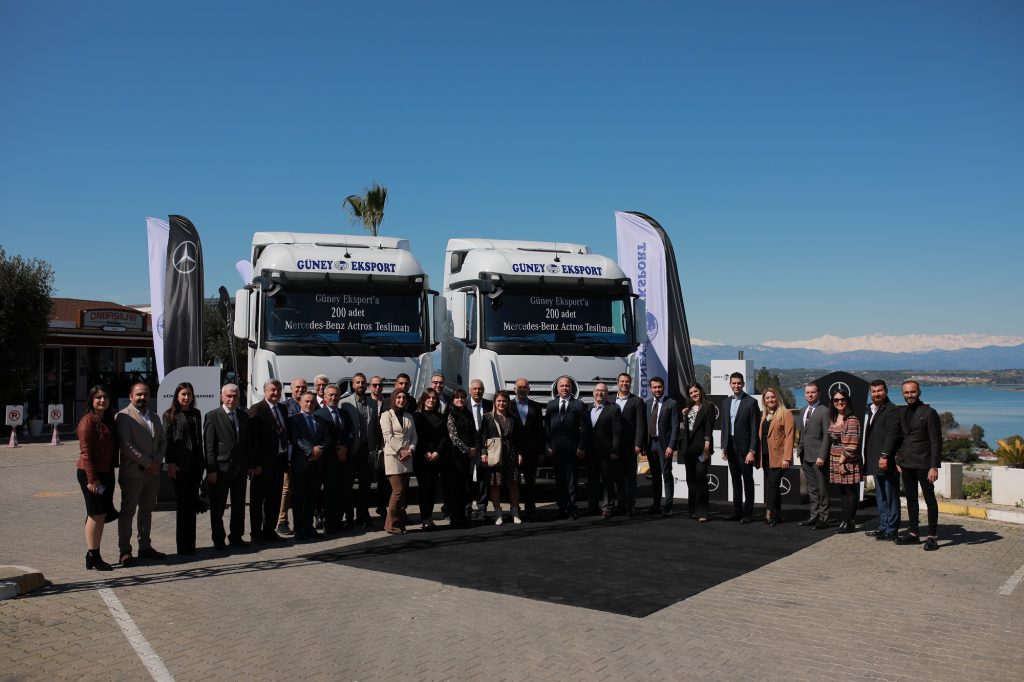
(997, 409)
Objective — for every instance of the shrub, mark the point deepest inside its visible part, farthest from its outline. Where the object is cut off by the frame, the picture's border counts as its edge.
(1011, 452)
(978, 490)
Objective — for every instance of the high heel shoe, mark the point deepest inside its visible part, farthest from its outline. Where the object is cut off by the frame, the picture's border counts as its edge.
(93, 561)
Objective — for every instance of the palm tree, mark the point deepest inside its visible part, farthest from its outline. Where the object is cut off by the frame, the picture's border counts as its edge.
(368, 208)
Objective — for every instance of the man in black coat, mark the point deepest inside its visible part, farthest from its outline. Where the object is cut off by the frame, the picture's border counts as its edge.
(366, 440)
(663, 431)
(566, 431)
(268, 421)
(632, 443)
(337, 474)
(740, 444)
(311, 442)
(881, 441)
(602, 451)
(528, 441)
(918, 460)
(228, 444)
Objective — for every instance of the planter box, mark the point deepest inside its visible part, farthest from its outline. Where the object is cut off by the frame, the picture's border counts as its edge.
(1007, 485)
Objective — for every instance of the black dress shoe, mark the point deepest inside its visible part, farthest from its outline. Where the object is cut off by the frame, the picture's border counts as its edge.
(127, 560)
(908, 539)
(666, 514)
(240, 544)
(846, 527)
(733, 517)
(874, 533)
(772, 522)
(808, 522)
(573, 515)
(150, 553)
(930, 545)
(888, 537)
(653, 511)
(821, 525)
(746, 519)
(220, 545)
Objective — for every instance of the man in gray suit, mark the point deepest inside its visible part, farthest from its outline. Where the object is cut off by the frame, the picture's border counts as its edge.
(663, 432)
(141, 436)
(813, 427)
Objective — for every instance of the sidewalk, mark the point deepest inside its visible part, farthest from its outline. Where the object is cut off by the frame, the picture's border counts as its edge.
(846, 607)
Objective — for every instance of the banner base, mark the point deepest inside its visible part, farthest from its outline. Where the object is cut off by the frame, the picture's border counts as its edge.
(14, 438)
(55, 440)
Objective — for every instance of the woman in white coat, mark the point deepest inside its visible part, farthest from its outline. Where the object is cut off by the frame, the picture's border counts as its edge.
(399, 431)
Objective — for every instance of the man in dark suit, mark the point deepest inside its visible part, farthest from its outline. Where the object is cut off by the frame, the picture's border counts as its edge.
(918, 460)
(740, 445)
(566, 432)
(881, 441)
(528, 441)
(382, 494)
(663, 431)
(366, 439)
(444, 396)
(813, 450)
(478, 406)
(633, 441)
(602, 451)
(291, 403)
(228, 446)
(336, 470)
(311, 443)
(268, 422)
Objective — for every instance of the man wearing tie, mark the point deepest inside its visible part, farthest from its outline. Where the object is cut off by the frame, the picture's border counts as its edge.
(141, 436)
(310, 444)
(268, 422)
(228, 464)
(663, 428)
(881, 441)
(740, 444)
(528, 441)
(336, 471)
(602, 451)
(478, 407)
(567, 431)
(320, 382)
(362, 414)
(379, 403)
(298, 387)
(814, 445)
(633, 442)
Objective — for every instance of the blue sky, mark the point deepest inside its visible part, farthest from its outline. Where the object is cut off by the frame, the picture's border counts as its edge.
(784, 145)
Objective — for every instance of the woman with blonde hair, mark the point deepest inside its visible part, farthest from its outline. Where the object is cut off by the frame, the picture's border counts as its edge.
(499, 425)
(398, 429)
(777, 433)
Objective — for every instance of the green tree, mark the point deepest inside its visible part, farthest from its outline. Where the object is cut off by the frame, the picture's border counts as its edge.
(948, 422)
(217, 346)
(766, 379)
(368, 208)
(978, 436)
(26, 286)
(958, 450)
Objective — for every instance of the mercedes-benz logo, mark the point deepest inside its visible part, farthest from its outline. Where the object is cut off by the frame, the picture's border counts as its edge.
(712, 483)
(184, 257)
(160, 326)
(552, 268)
(718, 412)
(785, 486)
(342, 265)
(837, 386)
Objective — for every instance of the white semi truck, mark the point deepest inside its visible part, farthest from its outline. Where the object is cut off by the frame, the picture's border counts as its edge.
(537, 310)
(336, 305)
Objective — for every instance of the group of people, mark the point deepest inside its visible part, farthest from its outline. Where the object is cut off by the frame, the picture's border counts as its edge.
(318, 454)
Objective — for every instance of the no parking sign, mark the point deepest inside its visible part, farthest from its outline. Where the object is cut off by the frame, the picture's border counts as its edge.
(15, 415)
(55, 414)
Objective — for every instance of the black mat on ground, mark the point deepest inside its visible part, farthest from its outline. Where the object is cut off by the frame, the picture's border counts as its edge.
(630, 566)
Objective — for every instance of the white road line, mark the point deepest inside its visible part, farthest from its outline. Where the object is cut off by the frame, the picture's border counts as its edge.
(1011, 584)
(131, 631)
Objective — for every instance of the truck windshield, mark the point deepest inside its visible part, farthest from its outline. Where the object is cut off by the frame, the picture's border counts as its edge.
(535, 321)
(392, 320)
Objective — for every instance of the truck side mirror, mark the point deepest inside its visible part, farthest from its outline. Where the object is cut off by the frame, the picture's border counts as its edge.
(458, 315)
(640, 320)
(241, 329)
(437, 325)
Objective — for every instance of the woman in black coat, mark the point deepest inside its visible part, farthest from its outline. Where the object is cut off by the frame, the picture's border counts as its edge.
(431, 453)
(696, 426)
(463, 439)
(186, 462)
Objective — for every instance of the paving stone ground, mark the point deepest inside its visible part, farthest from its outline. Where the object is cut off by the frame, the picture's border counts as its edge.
(845, 608)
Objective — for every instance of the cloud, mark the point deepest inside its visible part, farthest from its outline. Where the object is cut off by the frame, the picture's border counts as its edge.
(913, 343)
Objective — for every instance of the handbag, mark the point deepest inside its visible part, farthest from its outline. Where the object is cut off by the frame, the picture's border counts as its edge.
(493, 446)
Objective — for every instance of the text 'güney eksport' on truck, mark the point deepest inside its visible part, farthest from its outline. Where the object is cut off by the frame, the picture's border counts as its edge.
(335, 305)
(537, 310)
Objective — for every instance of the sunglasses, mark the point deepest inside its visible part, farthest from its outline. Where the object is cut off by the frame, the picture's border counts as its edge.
(839, 400)
(375, 385)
